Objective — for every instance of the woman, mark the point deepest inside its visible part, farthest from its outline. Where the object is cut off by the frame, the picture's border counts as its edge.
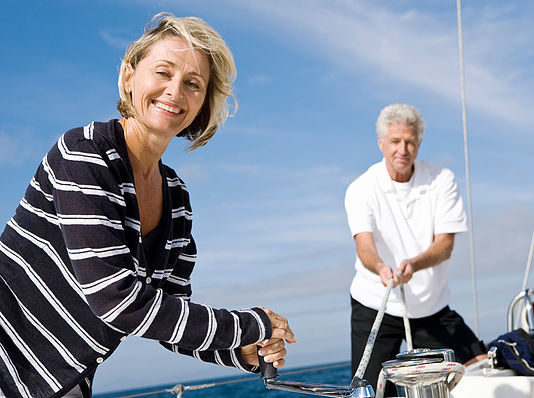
(100, 246)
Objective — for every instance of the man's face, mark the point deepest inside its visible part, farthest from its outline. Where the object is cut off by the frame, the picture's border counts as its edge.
(399, 148)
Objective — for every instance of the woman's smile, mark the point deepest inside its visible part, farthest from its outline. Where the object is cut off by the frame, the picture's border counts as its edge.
(168, 87)
(172, 109)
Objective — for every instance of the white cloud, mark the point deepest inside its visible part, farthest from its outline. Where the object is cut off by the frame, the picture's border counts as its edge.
(9, 150)
(192, 171)
(18, 145)
(259, 79)
(116, 39)
(420, 49)
(491, 193)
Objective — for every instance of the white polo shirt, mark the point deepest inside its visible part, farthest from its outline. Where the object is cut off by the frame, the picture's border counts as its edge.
(403, 226)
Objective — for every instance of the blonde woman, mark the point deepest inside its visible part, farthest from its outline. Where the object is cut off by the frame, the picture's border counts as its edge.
(100, 246)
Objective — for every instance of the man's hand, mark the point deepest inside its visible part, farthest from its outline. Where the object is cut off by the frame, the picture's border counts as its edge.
(385, 273)
(405, 270)
(439, 251)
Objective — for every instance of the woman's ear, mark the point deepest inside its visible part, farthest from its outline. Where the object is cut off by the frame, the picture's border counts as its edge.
(127, 78)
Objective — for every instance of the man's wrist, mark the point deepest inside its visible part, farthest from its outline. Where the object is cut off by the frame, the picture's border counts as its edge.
(379, 267)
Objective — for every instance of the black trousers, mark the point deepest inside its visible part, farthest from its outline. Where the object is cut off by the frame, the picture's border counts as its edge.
(444, 329)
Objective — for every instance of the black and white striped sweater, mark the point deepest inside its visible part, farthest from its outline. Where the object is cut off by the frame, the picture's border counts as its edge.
(74, 281)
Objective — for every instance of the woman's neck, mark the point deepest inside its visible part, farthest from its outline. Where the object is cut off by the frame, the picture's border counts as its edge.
(144, 150)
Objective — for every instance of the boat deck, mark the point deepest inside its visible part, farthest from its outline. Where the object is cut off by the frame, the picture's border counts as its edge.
(494, 387)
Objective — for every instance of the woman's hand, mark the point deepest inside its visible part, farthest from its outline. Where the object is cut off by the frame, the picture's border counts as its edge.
(272, 349)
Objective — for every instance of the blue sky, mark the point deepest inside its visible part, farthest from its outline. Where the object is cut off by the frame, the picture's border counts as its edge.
(267, 191)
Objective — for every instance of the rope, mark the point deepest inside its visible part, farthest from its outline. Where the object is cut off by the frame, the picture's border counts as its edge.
(407, 329)
(372, 334)
(466, 155)
(376, 326)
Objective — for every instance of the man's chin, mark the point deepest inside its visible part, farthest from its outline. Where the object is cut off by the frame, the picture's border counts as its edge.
(403, 168)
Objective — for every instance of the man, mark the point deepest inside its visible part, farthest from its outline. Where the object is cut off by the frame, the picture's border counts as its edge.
(403, 214)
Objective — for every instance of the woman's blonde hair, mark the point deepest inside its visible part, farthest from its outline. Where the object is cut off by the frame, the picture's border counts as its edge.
(202, 37)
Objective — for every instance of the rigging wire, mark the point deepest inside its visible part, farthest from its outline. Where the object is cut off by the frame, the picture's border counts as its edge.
(529, 261)
(179, 388)
(466, 155)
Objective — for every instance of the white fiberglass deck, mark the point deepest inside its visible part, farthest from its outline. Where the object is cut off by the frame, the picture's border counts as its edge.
(494, 387)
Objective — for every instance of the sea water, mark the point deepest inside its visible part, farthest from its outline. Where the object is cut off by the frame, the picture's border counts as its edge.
(249, 385)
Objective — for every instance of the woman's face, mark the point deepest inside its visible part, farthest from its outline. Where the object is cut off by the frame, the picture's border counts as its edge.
(168, 86)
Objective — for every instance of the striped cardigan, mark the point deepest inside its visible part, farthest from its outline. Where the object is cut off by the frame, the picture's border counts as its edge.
(74, 281)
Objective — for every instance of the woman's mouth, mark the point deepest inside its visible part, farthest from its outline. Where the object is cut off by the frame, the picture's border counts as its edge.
(169, 108)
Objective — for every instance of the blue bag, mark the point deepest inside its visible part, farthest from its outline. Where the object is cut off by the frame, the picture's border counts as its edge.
(515, 350)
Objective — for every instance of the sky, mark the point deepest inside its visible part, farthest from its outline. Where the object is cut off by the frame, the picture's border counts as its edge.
(267, 191)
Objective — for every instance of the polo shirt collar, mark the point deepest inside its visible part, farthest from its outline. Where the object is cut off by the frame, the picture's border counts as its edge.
(420, 177)
(383, 178)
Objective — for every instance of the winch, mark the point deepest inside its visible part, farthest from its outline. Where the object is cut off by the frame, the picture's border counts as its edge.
(423, 373)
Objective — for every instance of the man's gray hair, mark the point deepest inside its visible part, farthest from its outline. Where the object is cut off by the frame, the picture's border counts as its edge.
(400, 113)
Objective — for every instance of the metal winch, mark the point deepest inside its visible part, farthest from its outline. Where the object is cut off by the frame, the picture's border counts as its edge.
(424, 373)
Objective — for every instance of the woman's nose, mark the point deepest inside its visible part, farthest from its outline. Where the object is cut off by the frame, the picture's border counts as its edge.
(175, 90)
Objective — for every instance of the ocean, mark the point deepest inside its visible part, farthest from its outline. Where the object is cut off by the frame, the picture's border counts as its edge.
(245, 386)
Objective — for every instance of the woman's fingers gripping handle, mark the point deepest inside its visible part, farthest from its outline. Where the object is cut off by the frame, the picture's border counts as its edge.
(267, 369)
(280, 327)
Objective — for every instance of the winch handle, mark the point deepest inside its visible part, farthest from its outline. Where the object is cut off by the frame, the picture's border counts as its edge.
(267, 369)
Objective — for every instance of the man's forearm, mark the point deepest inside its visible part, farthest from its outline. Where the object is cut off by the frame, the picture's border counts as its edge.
(370, 260)
(439, 251)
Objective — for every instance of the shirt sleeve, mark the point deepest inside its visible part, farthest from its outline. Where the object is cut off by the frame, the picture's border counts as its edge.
(230, 358)
(89, 197)
(359, 214)
(450, 214)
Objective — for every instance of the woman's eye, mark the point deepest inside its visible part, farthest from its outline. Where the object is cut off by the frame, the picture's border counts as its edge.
(193, 85)
(162, 73)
